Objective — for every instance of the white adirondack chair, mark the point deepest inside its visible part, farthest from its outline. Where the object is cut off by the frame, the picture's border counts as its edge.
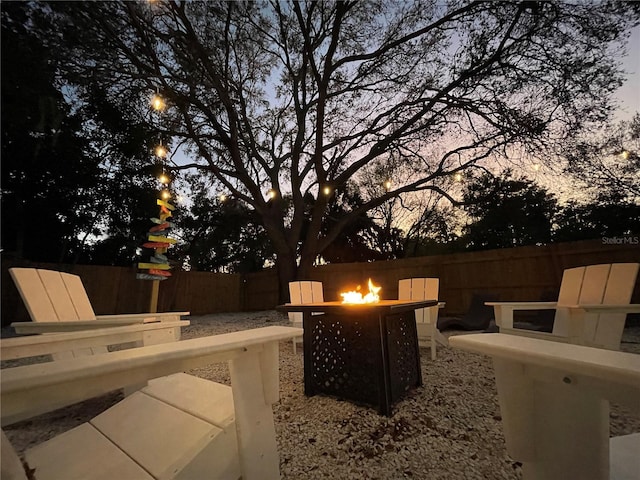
(302, 292)
(426, 318)
(591, 307)
(554, 401)
(58, 302)
(179, 427)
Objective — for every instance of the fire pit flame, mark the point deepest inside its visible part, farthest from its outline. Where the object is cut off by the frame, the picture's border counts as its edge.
(356, 296)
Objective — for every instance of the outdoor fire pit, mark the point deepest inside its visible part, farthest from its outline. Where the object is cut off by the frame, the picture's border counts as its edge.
(364, 352)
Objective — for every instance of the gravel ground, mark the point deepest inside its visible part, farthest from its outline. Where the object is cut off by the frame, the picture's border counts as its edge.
(449, 428)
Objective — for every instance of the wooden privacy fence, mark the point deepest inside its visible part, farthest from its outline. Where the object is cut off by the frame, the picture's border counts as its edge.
(523, 273)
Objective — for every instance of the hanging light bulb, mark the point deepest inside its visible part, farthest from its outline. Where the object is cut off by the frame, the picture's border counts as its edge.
(272, 194)
(164, 178)
(160, 151)
(458, 177)
(387, 184)
(166, 194)
(158, 103)
(326, 190)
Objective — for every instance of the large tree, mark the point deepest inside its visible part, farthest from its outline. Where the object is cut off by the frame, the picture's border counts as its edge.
(302, 98)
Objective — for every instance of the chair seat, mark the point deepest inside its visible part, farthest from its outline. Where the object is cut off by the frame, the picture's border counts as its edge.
(80, 453)
(178, 427)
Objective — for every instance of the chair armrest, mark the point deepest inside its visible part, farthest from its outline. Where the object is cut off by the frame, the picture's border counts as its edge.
(78, 325)
(503, 311)
(598, 308)
(146, 317)
(33, 345)
(30, 390)
(524, 305)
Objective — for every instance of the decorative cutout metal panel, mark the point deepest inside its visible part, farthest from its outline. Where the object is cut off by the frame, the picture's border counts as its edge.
(346, 356)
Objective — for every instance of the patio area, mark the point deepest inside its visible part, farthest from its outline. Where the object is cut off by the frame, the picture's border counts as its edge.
(449, 428)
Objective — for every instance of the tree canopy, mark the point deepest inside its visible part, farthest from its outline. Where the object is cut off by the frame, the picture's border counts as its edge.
(45, 173)
(609, 215)
(506, 212)
(609, 161)
(304, 99)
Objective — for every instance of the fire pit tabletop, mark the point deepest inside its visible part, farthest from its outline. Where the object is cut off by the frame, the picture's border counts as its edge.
(337, 307)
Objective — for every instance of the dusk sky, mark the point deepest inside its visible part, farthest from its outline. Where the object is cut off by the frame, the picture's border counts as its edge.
(629, 94)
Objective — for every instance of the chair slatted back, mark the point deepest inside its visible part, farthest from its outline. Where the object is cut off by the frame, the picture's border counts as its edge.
(605, 284)
(57, 291)
(52, 296)
(569, 295)
(33, 294)
(606, 328)
(420, 289)
(301, 292)
(79, 296)
(570, 286)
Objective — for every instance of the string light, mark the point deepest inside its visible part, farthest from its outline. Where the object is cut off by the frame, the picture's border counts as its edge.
(158, 103)
(387, 184)
(458, 177)
(272, 194)
(164, 178)
(326, 190)
(222, 197)
(160, 151)
(625, 154)
(536, 167)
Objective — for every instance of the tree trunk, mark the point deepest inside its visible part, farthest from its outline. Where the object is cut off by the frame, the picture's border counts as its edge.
(287, 272)
(306, 263)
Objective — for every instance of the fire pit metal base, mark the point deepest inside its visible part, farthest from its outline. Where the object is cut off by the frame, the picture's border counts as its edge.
(363, 353)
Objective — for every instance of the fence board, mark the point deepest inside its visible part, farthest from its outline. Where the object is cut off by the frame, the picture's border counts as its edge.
(259, 290)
